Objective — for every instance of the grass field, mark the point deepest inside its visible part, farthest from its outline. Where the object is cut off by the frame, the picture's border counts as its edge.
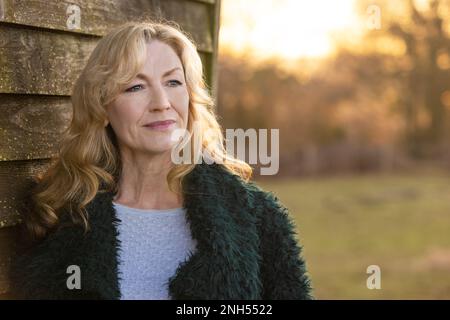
(346, 223)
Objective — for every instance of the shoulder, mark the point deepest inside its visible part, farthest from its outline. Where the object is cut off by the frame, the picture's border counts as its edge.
(218, 178)
(275, 224)
(271, 212)
(246, 192)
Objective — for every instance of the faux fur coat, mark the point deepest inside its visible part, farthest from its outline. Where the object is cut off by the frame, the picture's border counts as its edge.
(246, 248)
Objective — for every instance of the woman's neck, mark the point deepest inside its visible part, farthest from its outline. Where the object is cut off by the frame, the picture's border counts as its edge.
(143, 184)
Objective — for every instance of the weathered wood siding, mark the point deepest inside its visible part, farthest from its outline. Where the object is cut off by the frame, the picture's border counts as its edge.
(43, 48)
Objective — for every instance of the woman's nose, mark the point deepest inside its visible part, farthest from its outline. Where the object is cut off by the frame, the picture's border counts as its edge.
(159, 99)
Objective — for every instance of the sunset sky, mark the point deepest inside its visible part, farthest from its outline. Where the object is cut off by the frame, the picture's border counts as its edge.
(286, 28)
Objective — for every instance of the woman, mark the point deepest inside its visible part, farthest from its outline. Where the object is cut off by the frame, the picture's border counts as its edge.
(115, 217)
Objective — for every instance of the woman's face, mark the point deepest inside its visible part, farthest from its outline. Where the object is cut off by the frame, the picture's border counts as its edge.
(158, 93)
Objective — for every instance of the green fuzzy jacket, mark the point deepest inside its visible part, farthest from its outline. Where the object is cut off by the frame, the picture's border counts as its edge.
(246, 248)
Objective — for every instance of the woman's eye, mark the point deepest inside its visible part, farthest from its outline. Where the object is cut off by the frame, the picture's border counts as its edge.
(134, 88)
(174, 83)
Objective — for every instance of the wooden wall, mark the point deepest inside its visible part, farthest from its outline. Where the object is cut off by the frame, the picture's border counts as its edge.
(44, 45)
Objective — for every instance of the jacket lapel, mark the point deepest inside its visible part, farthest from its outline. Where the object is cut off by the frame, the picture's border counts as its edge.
(225, 265)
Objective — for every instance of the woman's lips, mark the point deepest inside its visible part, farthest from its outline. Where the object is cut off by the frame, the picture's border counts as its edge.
(160, 125)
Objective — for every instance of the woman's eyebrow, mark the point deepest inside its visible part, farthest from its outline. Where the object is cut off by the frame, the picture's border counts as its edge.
(144, 77)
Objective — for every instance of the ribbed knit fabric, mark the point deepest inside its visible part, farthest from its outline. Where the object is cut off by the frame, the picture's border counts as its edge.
(153, 244)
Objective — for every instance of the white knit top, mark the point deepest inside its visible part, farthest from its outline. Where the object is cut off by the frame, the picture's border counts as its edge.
(152, 245)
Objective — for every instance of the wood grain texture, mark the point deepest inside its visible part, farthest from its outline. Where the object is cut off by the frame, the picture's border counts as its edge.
(30, 126)
(15, 180)
(97, 17)
(44, 62)
(213, 57)
(7, 252)
(2, 10)
(41, 62)
(207, 1)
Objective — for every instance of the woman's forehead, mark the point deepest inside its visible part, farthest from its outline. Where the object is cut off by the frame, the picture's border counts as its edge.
(171, 71)
(161, 60)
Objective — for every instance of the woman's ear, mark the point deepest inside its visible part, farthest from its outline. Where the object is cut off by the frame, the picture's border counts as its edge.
(106, 123)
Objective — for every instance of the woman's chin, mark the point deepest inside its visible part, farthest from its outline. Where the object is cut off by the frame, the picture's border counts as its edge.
(161, 148)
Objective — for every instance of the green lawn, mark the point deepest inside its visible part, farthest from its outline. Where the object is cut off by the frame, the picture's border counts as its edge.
(399, 222)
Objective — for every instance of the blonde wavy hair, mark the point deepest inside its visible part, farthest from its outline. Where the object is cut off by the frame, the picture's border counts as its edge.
(88, 152)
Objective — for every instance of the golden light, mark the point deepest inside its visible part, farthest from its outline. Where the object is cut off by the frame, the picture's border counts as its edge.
(285, 28)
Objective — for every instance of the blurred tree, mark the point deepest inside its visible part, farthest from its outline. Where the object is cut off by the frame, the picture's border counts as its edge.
(424, 69)
(353, 109)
